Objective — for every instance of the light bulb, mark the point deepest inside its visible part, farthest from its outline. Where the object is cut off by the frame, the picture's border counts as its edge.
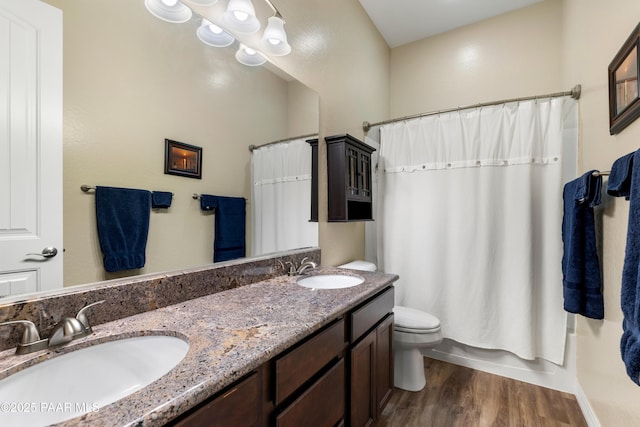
(169, 10)
(240, 16)
(248, 56)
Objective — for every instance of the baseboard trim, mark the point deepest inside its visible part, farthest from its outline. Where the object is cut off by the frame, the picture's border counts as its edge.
(585, 406)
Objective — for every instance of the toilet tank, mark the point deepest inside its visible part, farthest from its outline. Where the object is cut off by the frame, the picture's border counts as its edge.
(359, 265)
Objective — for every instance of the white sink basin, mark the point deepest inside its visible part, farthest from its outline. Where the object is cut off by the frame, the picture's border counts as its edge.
(84, 380)
(330, 281)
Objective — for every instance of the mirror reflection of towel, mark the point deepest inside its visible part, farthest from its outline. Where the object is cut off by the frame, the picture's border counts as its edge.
(122, 216)
(161, 199)
(230, 231)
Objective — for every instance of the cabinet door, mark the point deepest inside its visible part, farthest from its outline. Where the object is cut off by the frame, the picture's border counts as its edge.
(363, 362)
(353, 172)
(364, 173)
(239, 406)
(294, 368)
(323, 404)
(384, 363)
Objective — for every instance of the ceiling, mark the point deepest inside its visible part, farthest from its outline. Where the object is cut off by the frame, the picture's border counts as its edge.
(405, 21)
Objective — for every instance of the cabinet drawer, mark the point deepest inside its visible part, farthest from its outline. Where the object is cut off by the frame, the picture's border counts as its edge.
(298, 366)
(366, 317)
(323, 404)
(238, 406)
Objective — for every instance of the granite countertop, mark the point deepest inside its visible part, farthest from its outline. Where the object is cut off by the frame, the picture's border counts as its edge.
(230, 333)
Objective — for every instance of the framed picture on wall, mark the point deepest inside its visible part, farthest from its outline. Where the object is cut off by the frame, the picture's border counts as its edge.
(182, 159)
(624, 102)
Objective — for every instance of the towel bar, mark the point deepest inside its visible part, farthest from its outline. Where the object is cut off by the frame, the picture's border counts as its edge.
(86, 188)
(603, 173)
(196, 196)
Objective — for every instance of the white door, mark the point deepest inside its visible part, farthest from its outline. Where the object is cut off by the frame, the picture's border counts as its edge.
(30, 147)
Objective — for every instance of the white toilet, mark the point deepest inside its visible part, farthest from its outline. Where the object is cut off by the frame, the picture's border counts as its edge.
(413, 331)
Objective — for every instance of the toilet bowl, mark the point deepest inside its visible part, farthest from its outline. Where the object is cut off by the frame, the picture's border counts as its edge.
(413, 332)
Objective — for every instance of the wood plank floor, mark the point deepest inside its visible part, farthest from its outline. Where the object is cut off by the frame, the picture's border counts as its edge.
(456, 396)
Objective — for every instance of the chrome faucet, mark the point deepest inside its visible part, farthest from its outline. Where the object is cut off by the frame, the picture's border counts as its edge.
(305, 264)
(71, 328)
(63, 332)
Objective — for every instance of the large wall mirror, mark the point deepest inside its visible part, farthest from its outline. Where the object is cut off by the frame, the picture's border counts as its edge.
(130, 82)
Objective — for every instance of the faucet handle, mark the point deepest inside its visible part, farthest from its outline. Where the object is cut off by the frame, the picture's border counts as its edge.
(82, 317)
(292, 268)
(30, 334)
(30, 341)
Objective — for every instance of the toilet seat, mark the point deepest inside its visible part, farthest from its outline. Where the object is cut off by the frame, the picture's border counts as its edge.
(414, 321)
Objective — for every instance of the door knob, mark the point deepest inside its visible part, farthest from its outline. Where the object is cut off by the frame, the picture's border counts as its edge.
(48, 252)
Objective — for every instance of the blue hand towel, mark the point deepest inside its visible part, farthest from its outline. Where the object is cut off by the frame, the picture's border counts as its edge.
(630, 341)
(581, 279)
(161, 199)
(207, 202)
(230, 232)
(619, 183)
(123, 226)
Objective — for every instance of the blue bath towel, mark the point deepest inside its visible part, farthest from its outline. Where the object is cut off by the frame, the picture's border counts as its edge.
(619, 183)
(161, 199)
(630, 297)
(230, 231)
(581, 279)
(122, 215)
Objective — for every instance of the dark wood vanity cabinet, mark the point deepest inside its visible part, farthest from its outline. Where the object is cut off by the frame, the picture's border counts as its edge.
(309, 380)
(349, 179)
(340, 375)
(371, 359)
(239, 405)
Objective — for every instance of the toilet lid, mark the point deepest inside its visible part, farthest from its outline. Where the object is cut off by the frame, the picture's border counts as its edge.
(410, 318)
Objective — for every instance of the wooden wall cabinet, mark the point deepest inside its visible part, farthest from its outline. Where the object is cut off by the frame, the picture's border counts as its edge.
(314, 179)
(349, 179)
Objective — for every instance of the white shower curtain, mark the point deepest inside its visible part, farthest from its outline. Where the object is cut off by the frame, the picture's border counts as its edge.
(470, 218)
(281, 198)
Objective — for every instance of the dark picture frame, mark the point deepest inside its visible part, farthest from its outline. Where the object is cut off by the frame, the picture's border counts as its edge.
(624, 99)
(182, 159)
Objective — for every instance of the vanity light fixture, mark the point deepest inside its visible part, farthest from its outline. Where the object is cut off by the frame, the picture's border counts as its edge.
(274, 39)
(220, 31)
(169, 10)
(241, 17)
(213, 35)
(248, 56)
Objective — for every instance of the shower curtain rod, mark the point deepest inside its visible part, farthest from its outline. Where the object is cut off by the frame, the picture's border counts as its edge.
(574, 93)
(253, 147)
